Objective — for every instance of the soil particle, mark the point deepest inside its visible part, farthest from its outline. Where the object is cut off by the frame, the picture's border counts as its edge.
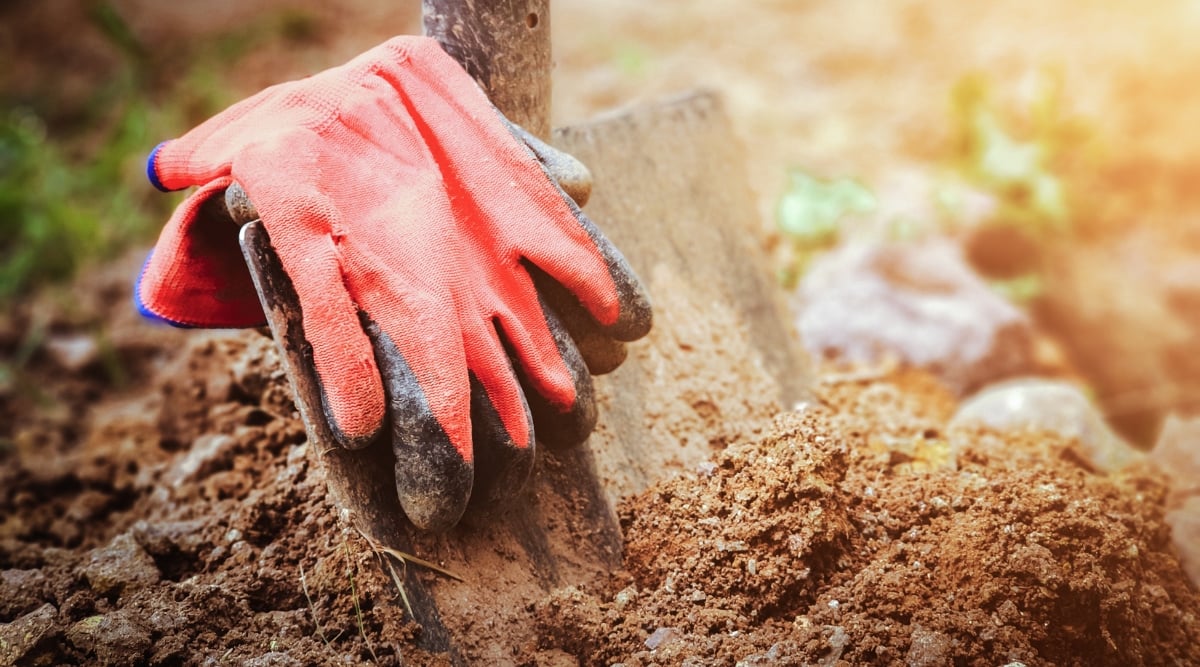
(1014, 551)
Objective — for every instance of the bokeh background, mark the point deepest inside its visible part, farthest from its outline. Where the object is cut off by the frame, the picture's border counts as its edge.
(1057, 140)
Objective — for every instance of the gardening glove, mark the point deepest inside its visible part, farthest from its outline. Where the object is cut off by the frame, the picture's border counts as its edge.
(419, 235)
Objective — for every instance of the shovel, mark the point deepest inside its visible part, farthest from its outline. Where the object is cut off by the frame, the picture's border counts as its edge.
(669, 189)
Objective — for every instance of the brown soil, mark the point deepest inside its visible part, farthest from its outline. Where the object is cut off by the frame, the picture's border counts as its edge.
(859, 532)
(181, 520)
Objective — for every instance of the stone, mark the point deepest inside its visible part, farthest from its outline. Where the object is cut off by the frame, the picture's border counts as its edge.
(1048, 405)
(72, 352)
(929, 648)
(1177, 453)
(121, 567)
(1185, 536)
(20, 637)
(21, 591)
(919, 304)
(660, 637)
(201, 458)
(116, 638)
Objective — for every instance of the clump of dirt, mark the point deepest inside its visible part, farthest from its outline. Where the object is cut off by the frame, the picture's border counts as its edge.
(859, 532)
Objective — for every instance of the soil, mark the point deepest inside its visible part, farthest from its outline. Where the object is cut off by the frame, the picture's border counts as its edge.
(159, 504)
(860, 532)
(179, 519)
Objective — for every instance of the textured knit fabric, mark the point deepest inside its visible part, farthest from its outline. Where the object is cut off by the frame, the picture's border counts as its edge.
(388, 185)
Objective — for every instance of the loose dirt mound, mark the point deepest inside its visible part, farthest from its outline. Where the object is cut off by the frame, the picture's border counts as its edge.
(859, 533)
(182, 520)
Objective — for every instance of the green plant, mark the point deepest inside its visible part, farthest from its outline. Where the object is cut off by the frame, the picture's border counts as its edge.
(76, 193)
(1029, 162)
(809, 217)
(1022, 158)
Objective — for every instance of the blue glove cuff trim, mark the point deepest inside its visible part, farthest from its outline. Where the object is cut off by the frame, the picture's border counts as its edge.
(152, 171)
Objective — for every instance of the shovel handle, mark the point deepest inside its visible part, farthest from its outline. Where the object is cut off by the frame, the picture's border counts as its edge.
(505, 46)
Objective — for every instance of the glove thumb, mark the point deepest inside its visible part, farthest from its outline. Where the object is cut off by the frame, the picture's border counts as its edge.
(196, 276)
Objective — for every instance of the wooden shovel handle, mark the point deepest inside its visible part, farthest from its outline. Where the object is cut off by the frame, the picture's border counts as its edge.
(505, 46)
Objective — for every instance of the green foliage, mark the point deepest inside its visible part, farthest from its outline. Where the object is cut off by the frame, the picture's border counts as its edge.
(1021, 159)
(1021, 290)
(78, 193)
(810, 214)
(1030, 162)
(54, 214)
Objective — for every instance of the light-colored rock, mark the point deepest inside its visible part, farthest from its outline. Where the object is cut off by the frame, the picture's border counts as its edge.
(1047, 405)
(929, 648)
(1177, 453)
(917, 303)
(1185, 536)
(199, 459)
(72, 352)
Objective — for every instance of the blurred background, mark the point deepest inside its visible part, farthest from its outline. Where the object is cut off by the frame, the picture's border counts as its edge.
(1057, 143)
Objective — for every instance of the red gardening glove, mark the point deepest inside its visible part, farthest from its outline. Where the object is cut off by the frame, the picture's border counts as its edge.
(412, 224)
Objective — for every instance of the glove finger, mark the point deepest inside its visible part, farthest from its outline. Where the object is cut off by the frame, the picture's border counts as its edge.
(570, 174)
(552, 233)
(502, 427)
(302, 222)
(206, 152)
(624, 312)
(552, 372)
(423, 362)
(351, 395)
(433, 477)
(602, 353)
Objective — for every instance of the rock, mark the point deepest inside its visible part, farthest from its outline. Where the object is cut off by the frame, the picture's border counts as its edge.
(170, 538)
(1048, 405)
(624, 597)
(20, 637)
(1177, 453)
(838, 640)
(929, 648)
(659, 637)
(273, 659)
(121, 567)
(72, 352)
(1185, 536)
(21, 591)
(919, 304)
(116, 638)
(778, 653)
(206, 450)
